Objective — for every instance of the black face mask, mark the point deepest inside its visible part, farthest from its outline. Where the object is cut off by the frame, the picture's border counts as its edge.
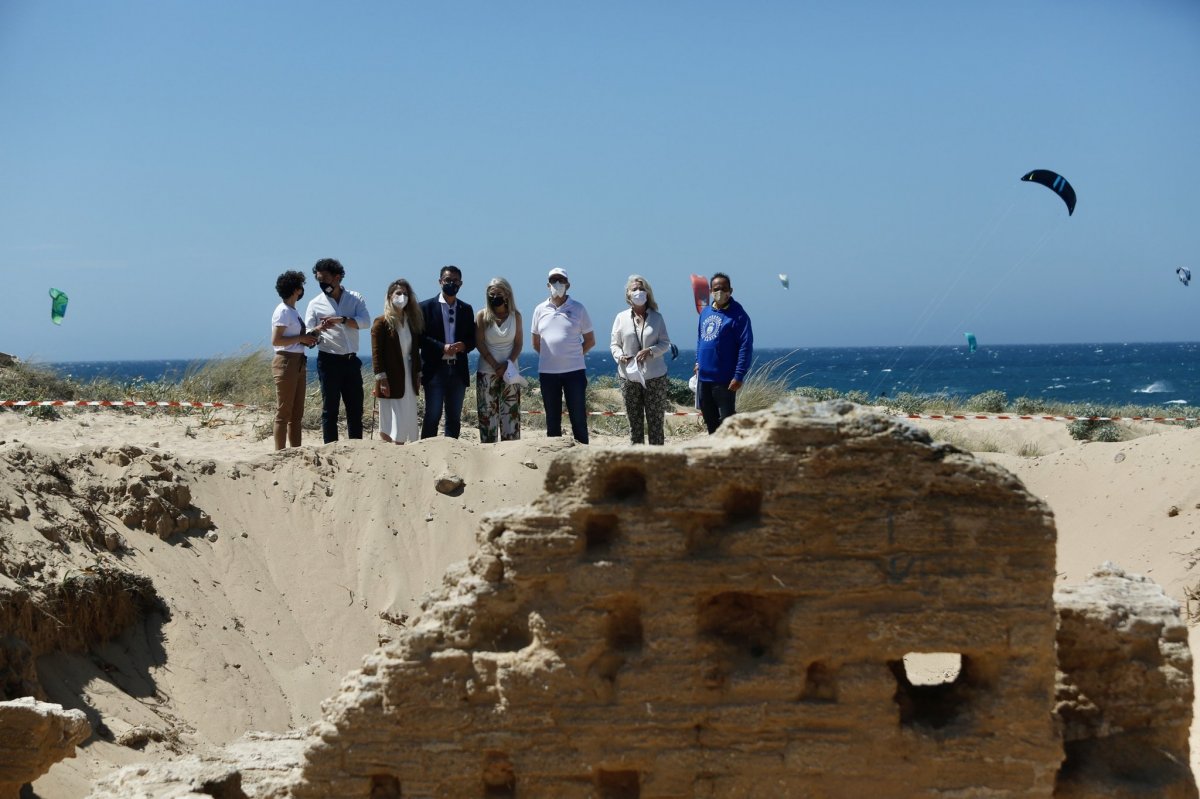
(449, 289)
(495, 302)
(326, 287)
(301, 295)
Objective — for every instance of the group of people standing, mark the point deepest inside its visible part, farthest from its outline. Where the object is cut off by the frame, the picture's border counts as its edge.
(419, 346)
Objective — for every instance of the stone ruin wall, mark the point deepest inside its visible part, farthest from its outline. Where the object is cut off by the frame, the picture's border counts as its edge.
(727, 618)
(1124, 695)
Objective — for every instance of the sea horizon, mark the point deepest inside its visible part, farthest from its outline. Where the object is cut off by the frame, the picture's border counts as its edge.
(1108, 373)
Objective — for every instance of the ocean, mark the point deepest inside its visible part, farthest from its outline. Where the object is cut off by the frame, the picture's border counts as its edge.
(1150, 374)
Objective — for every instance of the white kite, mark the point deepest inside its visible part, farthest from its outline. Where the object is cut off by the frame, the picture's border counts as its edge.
(783, 279)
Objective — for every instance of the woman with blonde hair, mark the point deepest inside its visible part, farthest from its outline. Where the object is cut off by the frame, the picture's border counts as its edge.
(498, 338)
(639, 342)
(396, 359)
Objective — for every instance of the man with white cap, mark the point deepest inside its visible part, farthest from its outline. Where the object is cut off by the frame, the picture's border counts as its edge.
(562, 335)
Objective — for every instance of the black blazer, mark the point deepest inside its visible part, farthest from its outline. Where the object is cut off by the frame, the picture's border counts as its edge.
(431, 339)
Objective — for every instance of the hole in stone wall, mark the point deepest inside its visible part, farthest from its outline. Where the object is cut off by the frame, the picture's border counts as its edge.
(623, 625)
(1135, 767)
(820, 684)
(933, 689)
(384, 786)
(747, 630)
(559, 477)
(504, 634)
(228, 786)
(741, 504)
(702, 539)
(622, 636)
(932, 668)
(605, 668)
(624, 483)
(618, 785)
(707, 530)
(499, 777)
(600, 533)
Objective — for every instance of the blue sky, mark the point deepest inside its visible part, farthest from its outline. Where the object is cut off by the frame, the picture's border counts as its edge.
(163, 162)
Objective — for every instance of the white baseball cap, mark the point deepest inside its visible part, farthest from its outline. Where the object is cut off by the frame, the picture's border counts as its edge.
(559, 272)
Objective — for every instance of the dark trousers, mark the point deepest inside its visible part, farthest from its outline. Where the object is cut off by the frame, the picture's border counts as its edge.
(444, 389)
(341, 382)
(717, 403)
(572, 385)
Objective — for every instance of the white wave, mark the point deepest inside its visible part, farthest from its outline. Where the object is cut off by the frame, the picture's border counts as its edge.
(1176, 402)
(1157, 387)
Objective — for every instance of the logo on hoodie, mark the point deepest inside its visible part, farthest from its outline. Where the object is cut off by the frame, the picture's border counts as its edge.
(712, 327)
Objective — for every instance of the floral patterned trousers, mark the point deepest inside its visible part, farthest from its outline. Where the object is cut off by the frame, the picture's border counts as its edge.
(645, 408)
(499, 407)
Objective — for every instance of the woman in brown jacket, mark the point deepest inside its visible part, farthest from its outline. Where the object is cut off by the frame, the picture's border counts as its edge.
(396, 359)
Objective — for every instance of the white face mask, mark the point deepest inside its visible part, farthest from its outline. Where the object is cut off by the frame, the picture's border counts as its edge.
(719, 297)
(558, 290)
(399, 300)
(637, 297)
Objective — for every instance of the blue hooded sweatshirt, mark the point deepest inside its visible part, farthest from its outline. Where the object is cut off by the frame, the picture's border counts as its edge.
(724, 343)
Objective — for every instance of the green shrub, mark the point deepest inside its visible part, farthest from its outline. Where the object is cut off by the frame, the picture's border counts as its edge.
(679, 392)
(1029, 406)
(907, 403)
(818, 394)
(859, 397)
(988, 402)
(1090, 429)
(604, 381)
(22, 381)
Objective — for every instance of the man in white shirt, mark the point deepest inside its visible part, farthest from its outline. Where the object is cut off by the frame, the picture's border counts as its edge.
(562, 335)
(338, 368)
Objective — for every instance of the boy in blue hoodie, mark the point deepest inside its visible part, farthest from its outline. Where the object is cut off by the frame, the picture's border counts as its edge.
(724, 350)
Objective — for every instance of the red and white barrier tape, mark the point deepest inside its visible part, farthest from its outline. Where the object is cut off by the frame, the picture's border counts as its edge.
(956, 417)
(937, 417)
(121, 404)
(615, 413)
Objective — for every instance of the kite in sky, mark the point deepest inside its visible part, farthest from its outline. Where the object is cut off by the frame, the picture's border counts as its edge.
(783, 279)
(970, 341)
(1185, 275)
(700, 292)
(1055, 181)
(58, 306)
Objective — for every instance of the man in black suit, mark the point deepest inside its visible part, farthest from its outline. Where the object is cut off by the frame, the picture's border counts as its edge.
(449, 335)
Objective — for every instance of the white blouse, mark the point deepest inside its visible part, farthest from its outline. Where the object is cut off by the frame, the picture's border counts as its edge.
(500, 337)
